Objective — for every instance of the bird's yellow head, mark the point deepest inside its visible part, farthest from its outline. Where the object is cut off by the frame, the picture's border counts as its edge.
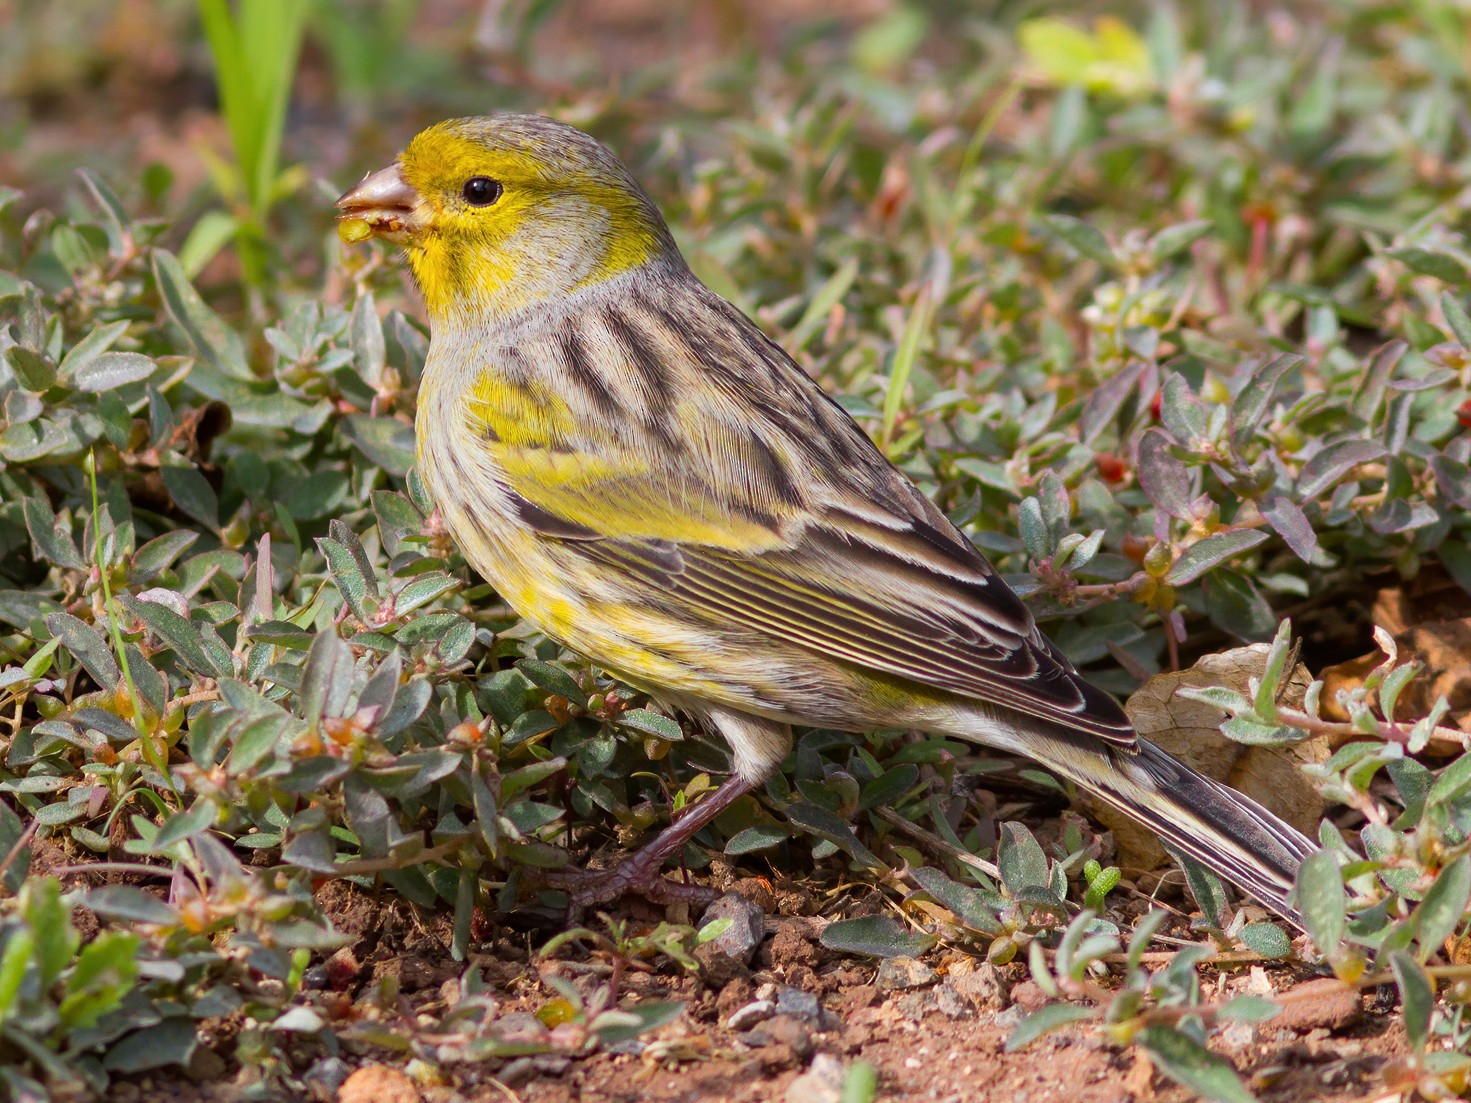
(500, 212)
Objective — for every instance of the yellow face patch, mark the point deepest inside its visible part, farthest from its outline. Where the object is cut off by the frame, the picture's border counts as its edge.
(552, 228)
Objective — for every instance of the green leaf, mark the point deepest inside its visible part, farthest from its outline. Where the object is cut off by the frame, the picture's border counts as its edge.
(1204, 886)
(753, 839)
(32, 370)
(111, 370)
(104, 973)
(386, 441)
(212, 340)
(86, 645)
(656, 724)
(1452, 781)
(365, 335)
(156, 556)
(1212, 551)
(1053, 1017)
(554, 679)
(327, 679)
(1328, 466)
(49, 920)
(1187, 1062)
(178, 633)
(874, 936)
(973, 906)
(171, 1042)
(1251, 402)
(422, 590)
(11, 832)
(191, 492)
(627, 1024)
(1267, 939)
(126, 904)
(1444, 906)
(1417, 992)
(1250, 1009)
(820, 307)
(1291, 523)
(1020, 858)
(1083, 237)
(15, 961)
(183, 825)
(1456, 318)
(51, 535)
(1164, 479)
(209, 234)
(1174, 239)
(519, 780)
(1428, 262)
(827, 825)
(1322, 901)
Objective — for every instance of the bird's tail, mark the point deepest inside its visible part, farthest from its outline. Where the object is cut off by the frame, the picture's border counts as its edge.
(1231, 834)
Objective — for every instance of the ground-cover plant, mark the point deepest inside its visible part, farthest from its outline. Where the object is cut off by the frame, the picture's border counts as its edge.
(1173, 320)
(254, 46)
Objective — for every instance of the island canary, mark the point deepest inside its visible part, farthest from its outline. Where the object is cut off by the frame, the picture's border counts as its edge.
(649, 480)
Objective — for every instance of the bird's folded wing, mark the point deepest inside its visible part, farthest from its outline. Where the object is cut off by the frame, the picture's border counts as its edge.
(903, 603)
(762, 505)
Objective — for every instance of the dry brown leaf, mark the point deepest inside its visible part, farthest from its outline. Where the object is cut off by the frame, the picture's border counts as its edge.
(1191, 731)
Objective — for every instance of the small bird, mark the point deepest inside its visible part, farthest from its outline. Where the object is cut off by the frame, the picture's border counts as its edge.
(646, 478)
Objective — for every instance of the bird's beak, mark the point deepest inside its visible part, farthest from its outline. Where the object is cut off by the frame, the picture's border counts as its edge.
(382, 204)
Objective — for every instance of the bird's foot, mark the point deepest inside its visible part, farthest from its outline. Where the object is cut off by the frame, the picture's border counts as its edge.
(586, 888)
(642, 873)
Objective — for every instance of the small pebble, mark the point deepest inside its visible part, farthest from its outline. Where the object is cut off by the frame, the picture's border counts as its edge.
(801, 1005)
(821, 1083)
(916, 1005)
(982, 987)
(1010, 1018)
(744, 1018)
(747, 928)
(325, 1077)
(904, 972)
(378, 1084)
(951, 1003)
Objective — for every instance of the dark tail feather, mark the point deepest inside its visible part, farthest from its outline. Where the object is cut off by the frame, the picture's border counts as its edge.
(1231, 834)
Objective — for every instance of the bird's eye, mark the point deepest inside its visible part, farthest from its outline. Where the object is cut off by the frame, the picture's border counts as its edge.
(481, 191)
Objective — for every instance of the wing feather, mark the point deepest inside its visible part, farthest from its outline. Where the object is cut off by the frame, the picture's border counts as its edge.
(776, 514)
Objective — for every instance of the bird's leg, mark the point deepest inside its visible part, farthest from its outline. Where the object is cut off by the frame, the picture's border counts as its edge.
(641, 873)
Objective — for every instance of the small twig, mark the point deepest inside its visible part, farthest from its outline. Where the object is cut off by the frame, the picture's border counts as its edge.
(378, 865)
(929, 838)
(114, 867)
(1164, 957)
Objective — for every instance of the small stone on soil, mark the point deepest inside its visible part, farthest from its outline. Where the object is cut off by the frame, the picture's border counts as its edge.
(740, 940)
(744, 1018)
(378, 1084)
(904, 972)
(822, 1083)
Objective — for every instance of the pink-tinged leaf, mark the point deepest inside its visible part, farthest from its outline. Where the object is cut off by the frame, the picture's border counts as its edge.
(1165, 480)
(1291, 523)
(1334, 462)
